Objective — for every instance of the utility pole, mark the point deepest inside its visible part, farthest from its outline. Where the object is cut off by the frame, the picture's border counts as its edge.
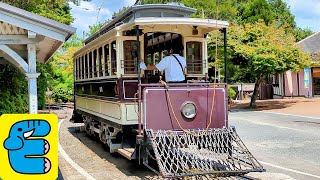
(99, 11)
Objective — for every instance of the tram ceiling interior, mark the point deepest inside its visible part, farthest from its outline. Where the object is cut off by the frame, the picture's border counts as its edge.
(191, 30)
(157, 38)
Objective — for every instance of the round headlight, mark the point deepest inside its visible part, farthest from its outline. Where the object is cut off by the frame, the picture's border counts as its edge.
(189, 110)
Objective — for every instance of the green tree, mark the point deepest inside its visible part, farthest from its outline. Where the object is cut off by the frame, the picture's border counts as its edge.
(94, 28)
(255, 10)
(265, 50)
(13, 92)
(302, 33)
(60, 79)
(282, 14)
(227, 8)
(74, 41)
(57, 10)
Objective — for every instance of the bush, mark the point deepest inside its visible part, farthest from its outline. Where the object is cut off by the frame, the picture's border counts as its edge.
(13, 90)
(231, 93)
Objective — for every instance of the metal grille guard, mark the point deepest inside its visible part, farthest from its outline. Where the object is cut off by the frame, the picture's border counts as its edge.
(219, 152)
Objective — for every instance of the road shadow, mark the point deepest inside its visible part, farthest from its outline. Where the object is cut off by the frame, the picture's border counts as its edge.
(127, 167)
(263, 105)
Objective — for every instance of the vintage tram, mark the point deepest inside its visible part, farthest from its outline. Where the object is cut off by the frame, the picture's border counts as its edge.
(183, 127)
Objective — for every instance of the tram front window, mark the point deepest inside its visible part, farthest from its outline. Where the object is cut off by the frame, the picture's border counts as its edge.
(158, 46)
(129, 50)
(194, 57)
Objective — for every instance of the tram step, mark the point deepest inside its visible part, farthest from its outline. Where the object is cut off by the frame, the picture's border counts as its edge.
(126, 152)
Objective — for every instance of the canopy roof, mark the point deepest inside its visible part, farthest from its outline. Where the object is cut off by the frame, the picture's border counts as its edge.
(19, 28)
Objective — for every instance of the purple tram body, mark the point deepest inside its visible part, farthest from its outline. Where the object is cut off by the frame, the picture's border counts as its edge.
(158, 113)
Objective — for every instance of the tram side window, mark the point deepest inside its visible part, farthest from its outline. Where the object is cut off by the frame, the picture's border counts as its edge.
(194, 58)
(78, 68)
(90, 65)
(85, 67)
(95, 63)
(83, 72)
(75, 62)
(106, 59)
(101, 61)
(114, 58)
(129, 50)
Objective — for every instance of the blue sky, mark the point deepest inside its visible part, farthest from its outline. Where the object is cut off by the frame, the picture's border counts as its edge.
(88, 12)
(307, 12)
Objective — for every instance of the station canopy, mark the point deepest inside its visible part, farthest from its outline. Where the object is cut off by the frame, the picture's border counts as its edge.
(26, 38)
(19, 28)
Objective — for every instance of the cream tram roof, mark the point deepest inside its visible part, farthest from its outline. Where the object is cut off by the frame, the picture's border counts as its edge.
(167, 17)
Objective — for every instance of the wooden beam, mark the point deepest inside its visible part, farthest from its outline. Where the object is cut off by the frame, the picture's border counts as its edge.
(15, 59)
(17, 39)
(32, 34)
(33, 26)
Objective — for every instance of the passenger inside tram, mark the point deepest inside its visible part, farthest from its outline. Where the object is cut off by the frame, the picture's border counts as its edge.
(173, 65)
(164, 55)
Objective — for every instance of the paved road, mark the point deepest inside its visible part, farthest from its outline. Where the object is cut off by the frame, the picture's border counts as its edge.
(284, 144)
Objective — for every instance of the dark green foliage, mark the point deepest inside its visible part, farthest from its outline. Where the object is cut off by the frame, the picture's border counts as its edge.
(94, 28)
(254, 10)
(62, 87)
(302, 33)
(54, 9)
(45, 70)
(13, 90)
(282, 14)
(74, 41)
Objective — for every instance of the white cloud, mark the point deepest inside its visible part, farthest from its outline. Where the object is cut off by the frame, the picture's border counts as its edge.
(89, 7)
(129, 2)
(88, 13)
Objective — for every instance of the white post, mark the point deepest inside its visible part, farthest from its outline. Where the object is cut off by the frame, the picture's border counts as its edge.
(32, 79)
